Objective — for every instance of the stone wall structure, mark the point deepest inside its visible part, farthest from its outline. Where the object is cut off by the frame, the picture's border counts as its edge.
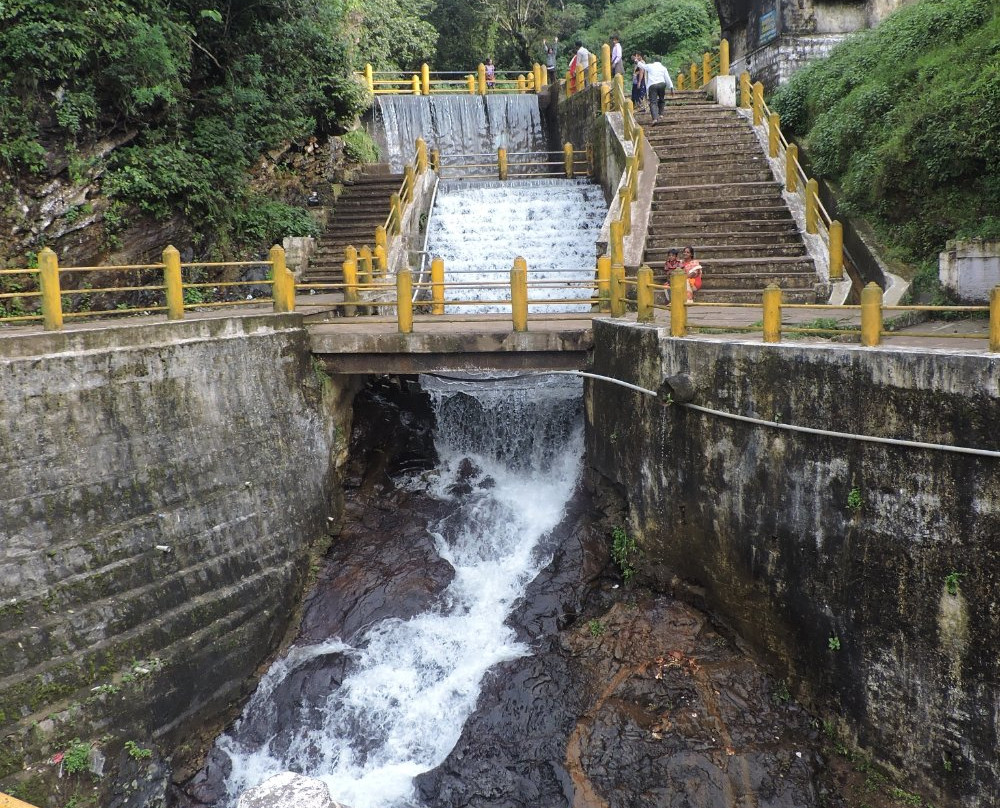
(866, 573)
(161, 487)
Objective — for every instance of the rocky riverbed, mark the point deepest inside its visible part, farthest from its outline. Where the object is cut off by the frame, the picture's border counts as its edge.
(628, 697)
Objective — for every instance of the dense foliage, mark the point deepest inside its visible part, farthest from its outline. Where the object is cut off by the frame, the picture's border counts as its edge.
(198, 88)
(906, 119)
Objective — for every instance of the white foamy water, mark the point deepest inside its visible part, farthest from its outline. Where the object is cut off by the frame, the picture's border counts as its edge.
(456, 124)
(410, 685)
(479, 228)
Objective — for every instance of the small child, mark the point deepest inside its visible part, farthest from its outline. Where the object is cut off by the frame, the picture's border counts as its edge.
(672, 263)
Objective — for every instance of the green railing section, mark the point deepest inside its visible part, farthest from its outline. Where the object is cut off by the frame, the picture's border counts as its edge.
(51, 300)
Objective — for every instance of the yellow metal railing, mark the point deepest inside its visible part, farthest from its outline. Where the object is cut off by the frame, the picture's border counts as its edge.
(173, 295)
(360, 294)
(771, 326)
(713, 63)
(428, 82)
(505, 165)
(818, 220)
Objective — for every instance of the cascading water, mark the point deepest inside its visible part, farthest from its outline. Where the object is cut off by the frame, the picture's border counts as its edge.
(456, 124)
(509, 457)
(479, 228)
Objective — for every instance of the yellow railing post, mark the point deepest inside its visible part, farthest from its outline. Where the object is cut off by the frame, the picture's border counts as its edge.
(871, 315)
(625, 195)
(415, 84)
(365, 265)
(370, 78)
(381, 260)
(536, 72)
(545, 75)
(404, 300)
(633, 177)
(592, 72)
(380, 237)
(640, 160)
(425, 79)
(836, 250)
(758, 104)
(421, 155)
(617, 291)
(706, 68)
(48, 282)
(694, 76)
(617, 245)
(519, 294)
(745, 90)
(522, 84)
(350, 267)
(791, 168)
(995, 319)
(678, 303)
(568, 160)
(502, 162)
(396, 208)
(605, 62)
(471, 81)
(772, 313)
(435, 160)
(812, 208)
(482, 78)
(437, 285)
(581, 78)
(680, 80)
(773, 130)
(410, 182)
(284, 290)
(644, 294)
(620, 84)
(604, 283)
(605, 98)
(569, 84)
(174, 285)
(724, 57)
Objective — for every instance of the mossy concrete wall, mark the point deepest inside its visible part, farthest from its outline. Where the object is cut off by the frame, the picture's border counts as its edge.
(160, 489)
(866, 573)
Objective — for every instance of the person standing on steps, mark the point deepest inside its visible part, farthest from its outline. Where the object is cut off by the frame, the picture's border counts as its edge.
(657, 82)
(582, 62)
(617, 68)
(491, 74)
(692, 268)
(550, 54)
(638, 89)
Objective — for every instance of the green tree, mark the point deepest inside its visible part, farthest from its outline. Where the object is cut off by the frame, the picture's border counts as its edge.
(394, 34)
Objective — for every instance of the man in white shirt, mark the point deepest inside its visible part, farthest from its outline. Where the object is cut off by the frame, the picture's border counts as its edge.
(582, 59)
(657, 81)
(617, 68)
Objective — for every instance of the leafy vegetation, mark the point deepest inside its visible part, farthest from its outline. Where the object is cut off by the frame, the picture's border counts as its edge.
(906, 119)
(623, 550)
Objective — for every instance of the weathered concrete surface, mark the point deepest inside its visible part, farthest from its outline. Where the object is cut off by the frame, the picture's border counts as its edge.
(970, 269)
(866, 572)
(451, 342)
(161, 486)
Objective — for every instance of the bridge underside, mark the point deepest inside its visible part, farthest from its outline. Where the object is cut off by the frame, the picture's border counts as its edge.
(439, 343)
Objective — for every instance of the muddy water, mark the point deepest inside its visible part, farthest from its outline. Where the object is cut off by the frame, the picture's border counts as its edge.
(602, 694)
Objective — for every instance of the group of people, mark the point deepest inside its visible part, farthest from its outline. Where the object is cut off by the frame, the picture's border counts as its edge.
(689, 265)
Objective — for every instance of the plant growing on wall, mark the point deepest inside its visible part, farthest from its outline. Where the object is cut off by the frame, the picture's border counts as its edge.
(623, 549)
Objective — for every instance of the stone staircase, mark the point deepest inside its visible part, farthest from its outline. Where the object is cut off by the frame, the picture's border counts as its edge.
(362, 207)
(715, 192)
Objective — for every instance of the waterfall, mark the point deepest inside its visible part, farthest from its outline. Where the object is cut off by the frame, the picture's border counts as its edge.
(409, 685)
(456, 124)
(479, 228)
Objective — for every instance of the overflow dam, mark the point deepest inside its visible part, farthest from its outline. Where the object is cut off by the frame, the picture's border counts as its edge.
(167, 492)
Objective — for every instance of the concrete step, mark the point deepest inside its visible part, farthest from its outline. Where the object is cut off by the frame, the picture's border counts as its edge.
(664, 240)
(751, 295)
(659, 254)
(667, 205)
(758, 281)
(699, 160)
(684, 219)
(672, 174)
(712, 190)
(741, 266)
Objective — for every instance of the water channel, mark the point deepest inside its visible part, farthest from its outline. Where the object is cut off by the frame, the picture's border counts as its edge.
(469, 642)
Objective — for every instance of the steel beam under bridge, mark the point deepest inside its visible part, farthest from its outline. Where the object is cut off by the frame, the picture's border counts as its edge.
(360, 345)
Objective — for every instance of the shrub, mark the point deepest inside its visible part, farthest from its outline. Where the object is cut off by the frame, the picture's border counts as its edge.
(359, 147)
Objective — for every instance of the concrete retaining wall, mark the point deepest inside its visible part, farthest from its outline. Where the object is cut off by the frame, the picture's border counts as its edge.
(866, 573)
(160, 489)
